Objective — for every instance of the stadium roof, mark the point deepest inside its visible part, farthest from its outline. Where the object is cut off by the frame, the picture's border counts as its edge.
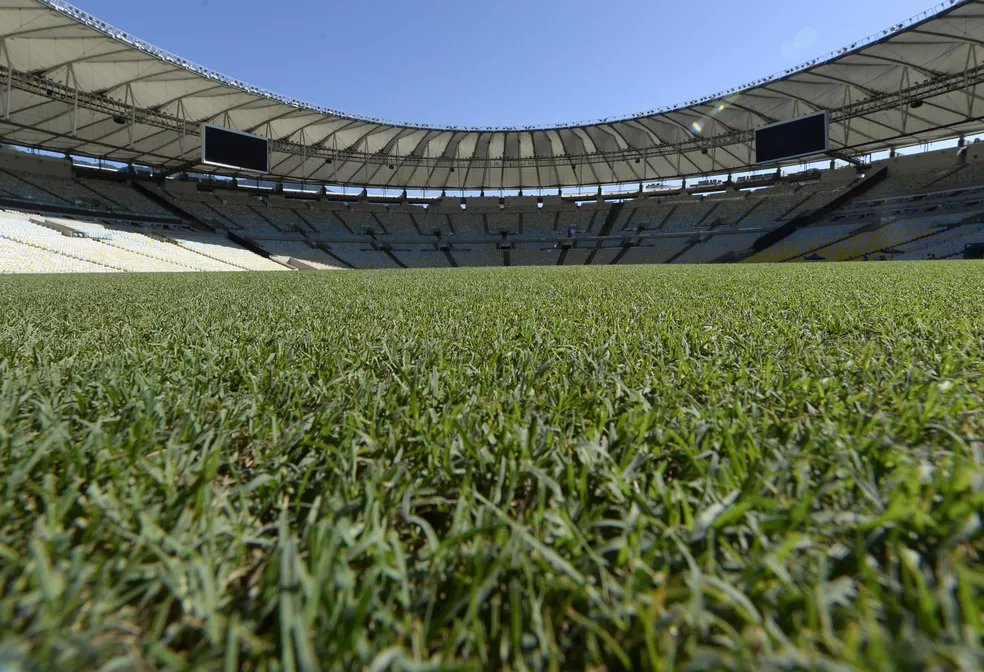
(70, 82)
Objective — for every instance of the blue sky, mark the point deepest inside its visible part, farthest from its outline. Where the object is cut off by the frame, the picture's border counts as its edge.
(511, 62)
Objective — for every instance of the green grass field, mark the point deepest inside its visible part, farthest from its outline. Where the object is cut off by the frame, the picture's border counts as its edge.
(673, 468)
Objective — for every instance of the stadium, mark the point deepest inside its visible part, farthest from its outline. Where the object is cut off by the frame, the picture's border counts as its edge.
(677, 185)
(721, 451)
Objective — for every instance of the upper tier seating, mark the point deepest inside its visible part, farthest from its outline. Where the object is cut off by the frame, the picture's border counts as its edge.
(469, 224)
(729, 211)
(202, 210)
(599, 214)
(970, 174)
(687, 216)
(250, 221)
(901, 184)
(17, 188)
(398, 222)
(503, 221)
(285, 219)
(540, 223)
(767, 210)
(430, 221)
(579, 219)
(646, 215)
(70, 192)
(327, 221)
(708, 251)
(361, 220)
(127, 198)
(420, 256)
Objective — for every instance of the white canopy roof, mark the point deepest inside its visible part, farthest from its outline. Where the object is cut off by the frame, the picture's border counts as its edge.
(70, 82)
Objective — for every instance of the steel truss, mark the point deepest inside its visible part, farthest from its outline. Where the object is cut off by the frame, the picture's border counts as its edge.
(125, 112)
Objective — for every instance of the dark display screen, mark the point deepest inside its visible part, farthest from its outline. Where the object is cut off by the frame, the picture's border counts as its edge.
(792, 139)
(232, 149)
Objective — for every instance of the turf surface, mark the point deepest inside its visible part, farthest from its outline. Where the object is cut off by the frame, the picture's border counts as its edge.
(747, 467)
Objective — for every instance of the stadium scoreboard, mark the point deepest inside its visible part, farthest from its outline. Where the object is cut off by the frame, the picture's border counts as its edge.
(805, 136)
(234, 149)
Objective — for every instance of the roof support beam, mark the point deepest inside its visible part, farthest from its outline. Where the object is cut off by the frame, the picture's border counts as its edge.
(925, 71)
(970, 87)
(52, 69)
(947, 38)
(9, 83)
(870, 93)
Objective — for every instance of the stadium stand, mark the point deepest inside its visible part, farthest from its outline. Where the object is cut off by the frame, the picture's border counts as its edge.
(362, 220)
(94, 252)
(362, 256)
(126, 198)
(17, 257)
(477, 255)
(284, 218)
(469, 222)
(398, 222)
(943, 245)
(69, 191)
(729, 210)
(802, 242)
(201, 209)
(868, 240)
(430, 221)
(539, 222)
(656, 251)
(164, 249)
(579, 218)
(577, 256)
(607, 254)
(304, 253)
(925, 209)
(243, 216)
(534, 254)
(221, 249)
(420, 256)
(326, 219)
(506, 221)
(16, 188)
(709, 250)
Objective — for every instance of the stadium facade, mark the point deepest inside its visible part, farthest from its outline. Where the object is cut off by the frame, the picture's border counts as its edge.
(72, 84)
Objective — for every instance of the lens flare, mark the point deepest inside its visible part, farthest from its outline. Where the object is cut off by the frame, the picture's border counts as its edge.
(721, 107)
(697, 126)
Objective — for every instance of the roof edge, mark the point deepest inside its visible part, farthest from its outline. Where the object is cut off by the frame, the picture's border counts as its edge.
(83, 17)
